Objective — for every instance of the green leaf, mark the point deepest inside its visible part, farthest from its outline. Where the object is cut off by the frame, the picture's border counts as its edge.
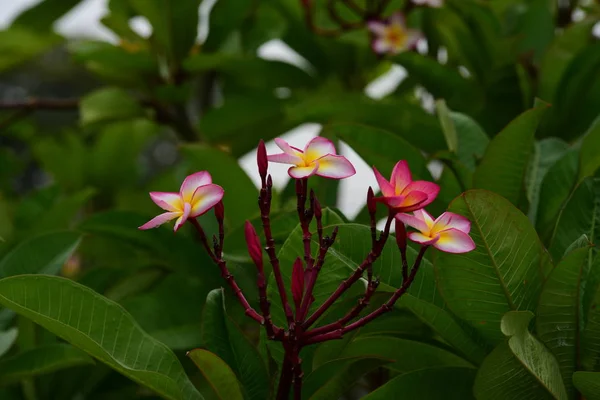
(108, 104)
(559, 322)
(588, 383)
(18, 45)
(222, 337)
(64, 157)
(546, 153)
(101, 328)
(41, 360)
(503, 273)
(230, 176)
(557, 185)
(380, 148)
(7, 339)
(520, 367)
(418, 385)
(225, 18)
(590, 309)
(504, 164)
(174, 24)
(447, 125)
(41, 16)
(536, 28)
(44, 254)
(472, 139)
(589, 158)
(219, 375)
(580, 215)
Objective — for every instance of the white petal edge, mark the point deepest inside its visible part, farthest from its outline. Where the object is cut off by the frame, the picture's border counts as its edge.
(168, 201)
(159, 220)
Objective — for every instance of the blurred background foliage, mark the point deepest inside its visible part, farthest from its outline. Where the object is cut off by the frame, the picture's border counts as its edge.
(89, 127)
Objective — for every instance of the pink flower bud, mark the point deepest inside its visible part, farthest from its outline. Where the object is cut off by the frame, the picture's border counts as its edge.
(401, 235)
(261, 159)
(254, 247)
(316, 205)
(297, 282)
(220, 211)
(371, 204)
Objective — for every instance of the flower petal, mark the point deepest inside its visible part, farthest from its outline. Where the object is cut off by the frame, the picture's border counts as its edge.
(397, 19)
(167, 200)
(377, 27)
(380, 46)
(413, 201)
(286, 148)
(420, 238)
(303, 172)
(205, 198)
(386, 188)
(425, 217)
(429, 188)
(450, 220)
(317, 148)
(186, 213)
(401, 176)
(412, 37)
(284, 158)
(413, 221)
(159, 220)
(336, 167)
(454, 241)
(390, 201)
(193, 182)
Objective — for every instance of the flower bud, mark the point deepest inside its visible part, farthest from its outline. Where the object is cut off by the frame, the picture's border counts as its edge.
(254, 247)
(371, 204)
(262, 160)
(401, 235)
(316, 205)
(297, 282)
(220, 211)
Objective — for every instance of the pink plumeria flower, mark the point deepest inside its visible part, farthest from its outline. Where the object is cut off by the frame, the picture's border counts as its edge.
(449, 232)
(197, 195)
(392, 36)
(317, 158)
(429, 3)
(402, 194)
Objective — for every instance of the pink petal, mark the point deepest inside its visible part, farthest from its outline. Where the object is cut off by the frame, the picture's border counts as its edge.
(193, 182)
(391, 201)
(397, 19)
(284, 158)
(429, 188)
(285, 147)
(303, 172)
(413, 201)
(413, 221)
(412, 38)
(386, 188)
(159, 220)
(420, 238)
(425, 217)
(336, 167)
(377, 27)
(450, 220)
(205, 198)
(317, 148)
(186, 213)
(401, 176)
(454, 241)
(380, 46)
(167, 200)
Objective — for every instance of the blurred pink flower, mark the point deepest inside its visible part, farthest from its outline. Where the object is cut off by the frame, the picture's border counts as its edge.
(317, 158)
(402, 194)
(449, 232)
(392, 36)
(197, 195)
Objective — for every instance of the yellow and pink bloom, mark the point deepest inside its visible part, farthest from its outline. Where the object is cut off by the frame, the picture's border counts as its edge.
(318, 158)
(196, 196)
(401, 193)
(448, 233)
(392, 36)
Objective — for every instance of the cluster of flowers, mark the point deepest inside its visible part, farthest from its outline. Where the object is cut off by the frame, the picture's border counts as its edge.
(449, 232)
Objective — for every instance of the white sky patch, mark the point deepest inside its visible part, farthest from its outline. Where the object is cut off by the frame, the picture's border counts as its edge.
(386, 83)
(83, 21)
(10, 10)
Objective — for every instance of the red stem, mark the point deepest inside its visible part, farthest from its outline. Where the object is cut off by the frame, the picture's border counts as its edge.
(371, 258)
(251, 312)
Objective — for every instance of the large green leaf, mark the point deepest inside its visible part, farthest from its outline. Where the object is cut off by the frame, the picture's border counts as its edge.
(580, 215)
(590, 338)
(219, 375)
(225, 18)
(44, 254)
(504, 164)
(559, 320)
(230, 176)
(418, 385)
(589, 160)
(108, 104)
(41, 360)
(42, 16)
(380, 148)
(101, 328)
(520, 367)
(471, 139)
(546, 152)
(588, 383)
(221, 336)
(503, 273)
(19, 45)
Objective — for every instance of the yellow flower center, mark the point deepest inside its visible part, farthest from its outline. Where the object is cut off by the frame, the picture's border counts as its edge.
(396, 35)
